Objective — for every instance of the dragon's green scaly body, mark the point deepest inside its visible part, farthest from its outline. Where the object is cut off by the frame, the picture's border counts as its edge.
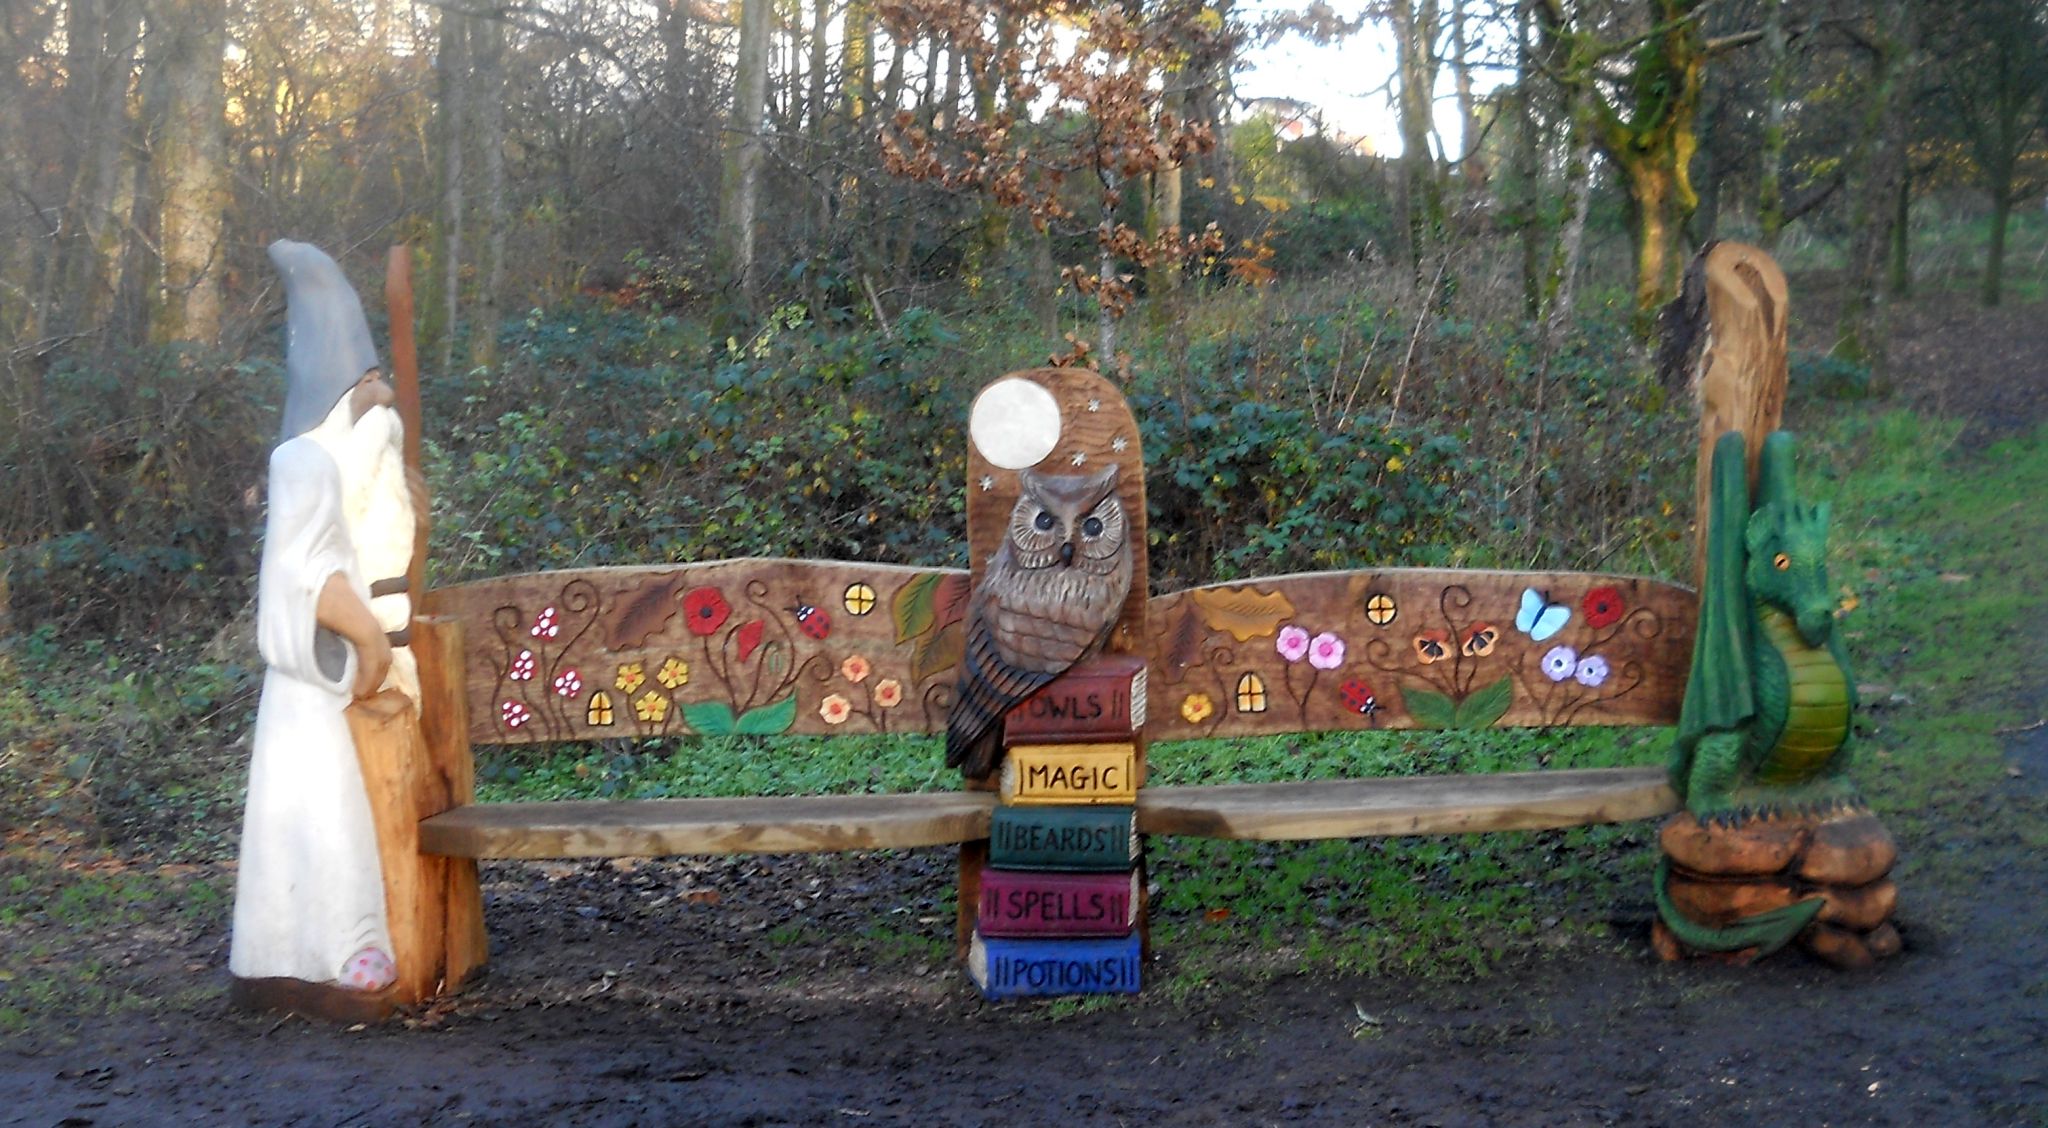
(1765, 726)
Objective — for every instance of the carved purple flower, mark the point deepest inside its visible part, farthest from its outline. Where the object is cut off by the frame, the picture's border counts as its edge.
(1591, 670)
(1326, 651)
(1293, 643)
(1559, 663)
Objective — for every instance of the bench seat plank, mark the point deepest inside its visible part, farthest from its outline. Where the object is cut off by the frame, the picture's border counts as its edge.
(1357, 808)
(755, 825)
(1353, 808)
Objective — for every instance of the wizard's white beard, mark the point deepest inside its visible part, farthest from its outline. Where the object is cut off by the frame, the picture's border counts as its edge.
(377, 505)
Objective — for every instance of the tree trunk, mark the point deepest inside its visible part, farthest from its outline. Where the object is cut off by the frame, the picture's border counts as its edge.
(739, 184)
(488, 41)
(1470, 161)
(1655, 224)
(453, 79)
(1163, 214)
(1994, 254)
(1770, 192)
(1901, 280)
(1421, 203)
(1875, 164)
(192, 174)
(1527, 159)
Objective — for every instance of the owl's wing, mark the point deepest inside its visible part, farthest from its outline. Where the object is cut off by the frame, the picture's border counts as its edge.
(988, 686)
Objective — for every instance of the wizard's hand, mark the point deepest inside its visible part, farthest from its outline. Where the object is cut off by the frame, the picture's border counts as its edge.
(340, 610)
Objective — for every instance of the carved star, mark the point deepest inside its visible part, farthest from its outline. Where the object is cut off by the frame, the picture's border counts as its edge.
(1118, 444)
(987, 483)
(1095, 405)
(1080, 456)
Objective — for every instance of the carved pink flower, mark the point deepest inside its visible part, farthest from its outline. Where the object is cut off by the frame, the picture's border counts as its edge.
(1326, 651)
(855, 669)
(1292, 644)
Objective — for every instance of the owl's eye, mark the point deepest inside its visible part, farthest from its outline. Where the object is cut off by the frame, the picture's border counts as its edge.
(1781, 562)
(1044, 522)
(1092, 527)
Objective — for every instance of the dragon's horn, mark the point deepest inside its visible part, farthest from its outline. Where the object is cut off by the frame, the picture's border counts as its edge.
(1774, 471)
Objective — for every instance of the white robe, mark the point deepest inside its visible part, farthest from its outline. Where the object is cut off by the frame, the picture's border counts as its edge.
(310, 890)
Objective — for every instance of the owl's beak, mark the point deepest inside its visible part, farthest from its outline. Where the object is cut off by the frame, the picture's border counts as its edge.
(1067, 553)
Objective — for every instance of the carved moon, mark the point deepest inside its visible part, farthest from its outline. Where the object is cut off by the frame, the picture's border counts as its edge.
(1015, 423)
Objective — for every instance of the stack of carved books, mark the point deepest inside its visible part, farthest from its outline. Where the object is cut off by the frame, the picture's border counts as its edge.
(1062, 898)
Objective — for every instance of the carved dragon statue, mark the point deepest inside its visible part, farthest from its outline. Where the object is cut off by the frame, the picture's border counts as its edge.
(1765, 726)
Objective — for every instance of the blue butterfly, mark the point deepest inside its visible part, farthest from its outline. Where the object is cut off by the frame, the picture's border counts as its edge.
(1539, 618)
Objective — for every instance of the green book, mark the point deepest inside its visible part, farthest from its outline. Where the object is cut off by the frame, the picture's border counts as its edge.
(1064, 839)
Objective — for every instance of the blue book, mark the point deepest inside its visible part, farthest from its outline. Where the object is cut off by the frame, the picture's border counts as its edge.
(1015, 969)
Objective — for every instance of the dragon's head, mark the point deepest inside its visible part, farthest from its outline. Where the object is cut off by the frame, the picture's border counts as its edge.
(1788, 545)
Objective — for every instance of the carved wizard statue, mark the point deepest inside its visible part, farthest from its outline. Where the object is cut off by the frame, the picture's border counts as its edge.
(332, 616)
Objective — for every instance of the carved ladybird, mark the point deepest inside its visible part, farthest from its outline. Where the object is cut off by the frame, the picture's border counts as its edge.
(1359, 698)
(813, 620)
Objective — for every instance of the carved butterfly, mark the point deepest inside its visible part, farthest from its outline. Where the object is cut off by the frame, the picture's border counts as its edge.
(1539, 618)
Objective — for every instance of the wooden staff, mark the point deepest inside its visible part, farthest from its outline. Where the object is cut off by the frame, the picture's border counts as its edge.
(405, 381)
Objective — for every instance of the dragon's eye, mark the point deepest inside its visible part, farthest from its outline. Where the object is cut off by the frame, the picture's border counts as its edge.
(1044, 521)
(1781, 562)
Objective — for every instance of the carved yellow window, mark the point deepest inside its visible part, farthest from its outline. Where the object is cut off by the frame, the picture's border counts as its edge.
(600, 712)
(1251, 694)
(1380, 609)
(860, 599)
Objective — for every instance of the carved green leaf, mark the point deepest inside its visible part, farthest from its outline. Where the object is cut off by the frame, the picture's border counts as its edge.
(1430, 709)
(1485, 706)
(929, 602)
(769, 719)
(939, 652)
(710, 718)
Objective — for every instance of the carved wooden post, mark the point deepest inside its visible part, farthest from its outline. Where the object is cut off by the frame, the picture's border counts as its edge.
(1775, 846)
(1063, 422)
(1734, 356)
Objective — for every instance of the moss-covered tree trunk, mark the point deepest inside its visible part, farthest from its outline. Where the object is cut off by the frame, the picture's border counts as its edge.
(192, 176)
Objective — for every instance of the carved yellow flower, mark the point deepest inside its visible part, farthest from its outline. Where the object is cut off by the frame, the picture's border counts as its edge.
(630, 678)
(652, 707)
(1196, 708)
(674, 673)
(888, 693)
(835, 709)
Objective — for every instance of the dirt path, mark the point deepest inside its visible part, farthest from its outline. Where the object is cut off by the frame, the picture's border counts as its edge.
(615, 1000)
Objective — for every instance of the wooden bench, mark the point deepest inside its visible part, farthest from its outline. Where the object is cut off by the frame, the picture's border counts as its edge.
(788, 648)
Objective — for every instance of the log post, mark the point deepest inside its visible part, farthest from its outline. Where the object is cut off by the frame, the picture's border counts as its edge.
(416, 764)
(1086, 424)
(1725, 339)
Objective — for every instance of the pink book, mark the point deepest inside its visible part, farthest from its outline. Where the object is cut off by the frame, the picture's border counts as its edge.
(1031, 903)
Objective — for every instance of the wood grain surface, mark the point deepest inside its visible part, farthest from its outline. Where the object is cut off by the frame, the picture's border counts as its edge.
(755, 825)
(1417, 648)
(762, 646)
(1358, 808)
(1267, 811)
(1741, 374)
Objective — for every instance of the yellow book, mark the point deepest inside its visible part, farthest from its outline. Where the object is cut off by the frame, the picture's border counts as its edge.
(1062, 774)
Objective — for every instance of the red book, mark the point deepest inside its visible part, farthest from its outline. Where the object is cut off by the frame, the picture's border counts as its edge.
(1025, 903)
(1101, 699)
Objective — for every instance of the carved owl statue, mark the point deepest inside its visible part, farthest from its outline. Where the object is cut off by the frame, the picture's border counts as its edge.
(1048, 599)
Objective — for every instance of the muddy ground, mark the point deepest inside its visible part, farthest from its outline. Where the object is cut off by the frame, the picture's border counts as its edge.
(712, 992)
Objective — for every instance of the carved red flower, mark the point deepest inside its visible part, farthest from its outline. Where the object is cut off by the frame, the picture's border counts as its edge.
(704, 611)
(1603, 607)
